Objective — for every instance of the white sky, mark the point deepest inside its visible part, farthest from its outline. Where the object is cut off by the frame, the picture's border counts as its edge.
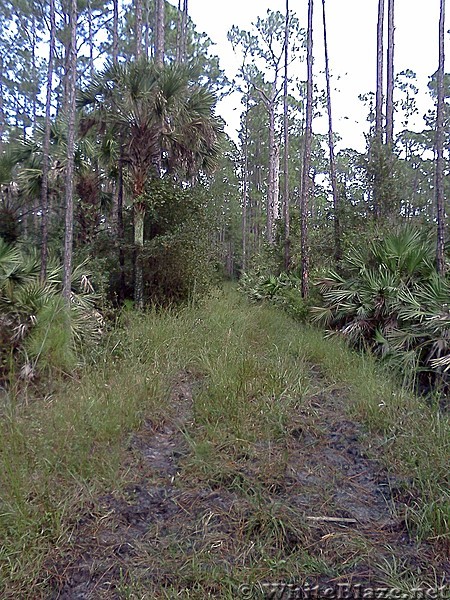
(352, 50)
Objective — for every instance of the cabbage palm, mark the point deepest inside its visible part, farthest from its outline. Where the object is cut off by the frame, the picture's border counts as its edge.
(164, 123)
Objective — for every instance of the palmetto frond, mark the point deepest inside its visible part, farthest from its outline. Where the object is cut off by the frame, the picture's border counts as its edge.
(392, 300)
(157, 113)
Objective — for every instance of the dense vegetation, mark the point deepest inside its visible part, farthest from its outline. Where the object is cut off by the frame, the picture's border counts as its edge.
(124, 209)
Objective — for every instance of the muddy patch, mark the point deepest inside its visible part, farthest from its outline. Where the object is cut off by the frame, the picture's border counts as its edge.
(313, 505)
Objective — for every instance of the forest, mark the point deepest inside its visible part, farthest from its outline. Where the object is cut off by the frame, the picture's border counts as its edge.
(224, 359)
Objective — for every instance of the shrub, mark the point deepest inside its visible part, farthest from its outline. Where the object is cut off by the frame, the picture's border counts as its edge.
(37, 329)
(390, 300)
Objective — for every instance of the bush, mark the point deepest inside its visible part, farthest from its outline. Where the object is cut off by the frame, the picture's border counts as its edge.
(283, 290)
(390, 300)
(37, 330)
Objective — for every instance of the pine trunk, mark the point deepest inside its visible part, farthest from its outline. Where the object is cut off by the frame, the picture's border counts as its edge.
(271, 182)
(46, 145)
(183, 35)
(440, 245)
(71, 76)
(333, 177)
(307, 157)
(390, 77)
(286, 214)
(160, 33)
(138, 28)
(379, 106)
(115, 45)
(245, 190)
(2, 110)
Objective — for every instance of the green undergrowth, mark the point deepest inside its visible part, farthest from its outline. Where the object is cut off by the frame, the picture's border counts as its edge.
(254, 363)
(412, 435)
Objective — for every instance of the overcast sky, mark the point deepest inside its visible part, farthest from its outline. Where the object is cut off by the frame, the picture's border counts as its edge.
(352, 47)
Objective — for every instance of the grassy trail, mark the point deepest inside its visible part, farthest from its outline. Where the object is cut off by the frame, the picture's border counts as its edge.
(218, 447)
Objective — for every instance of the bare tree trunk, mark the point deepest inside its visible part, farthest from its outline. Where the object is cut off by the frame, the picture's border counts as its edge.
(276, 183)
(334, 187)
(287, 241)
(46, 145)
(390, 77)
(271, 181)
(307, 157)
(115, 46)
(71, 108)
(2, 110)
(91, 40)
(160, 32)
(120, 228)
(138, 27)
(147, 28)
(116, 186)
(379, 104)
(440, 245)
(179, 24)
(183, 38)
(245, 189)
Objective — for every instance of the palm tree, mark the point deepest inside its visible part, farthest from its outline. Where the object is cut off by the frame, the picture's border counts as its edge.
(165, 124)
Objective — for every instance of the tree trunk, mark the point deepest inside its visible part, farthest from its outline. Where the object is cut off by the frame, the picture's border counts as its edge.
(334, 187)
(160, 32)
(440, 259)
(46, 145)
(91, 40)
(2, 110)
(287, 250)
(71, 108)
(139, 218)
(138, 27)
(115, 45)
(390, 77)
(379, 105)
(183, 35)
(307, 157)
(179, 25)
(271, 181)
(245, 189)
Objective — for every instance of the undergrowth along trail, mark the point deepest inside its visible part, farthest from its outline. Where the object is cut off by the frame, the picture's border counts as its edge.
(217, 446)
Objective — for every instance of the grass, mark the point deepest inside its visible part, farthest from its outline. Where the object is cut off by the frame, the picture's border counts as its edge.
(59, 454)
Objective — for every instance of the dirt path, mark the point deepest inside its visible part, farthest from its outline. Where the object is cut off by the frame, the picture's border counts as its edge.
(312, 499)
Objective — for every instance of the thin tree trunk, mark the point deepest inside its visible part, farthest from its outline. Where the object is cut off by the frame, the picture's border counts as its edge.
(390, 77)
(245, 189)
(138, 28)
(184, 25)
(271, 182)
(179, 34)
(160, 32)
(2, 110)
(147, 29)
(46, 145)
(334, 187)
(380, 64)
(71, 107)
(91, 40)
(307, 157)
(116, 206)
(440, 245)
(276, 183)
(379, 104)
(115, 46)
(287, 250)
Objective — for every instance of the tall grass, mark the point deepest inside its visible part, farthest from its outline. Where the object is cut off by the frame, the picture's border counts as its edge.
(58, 454)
